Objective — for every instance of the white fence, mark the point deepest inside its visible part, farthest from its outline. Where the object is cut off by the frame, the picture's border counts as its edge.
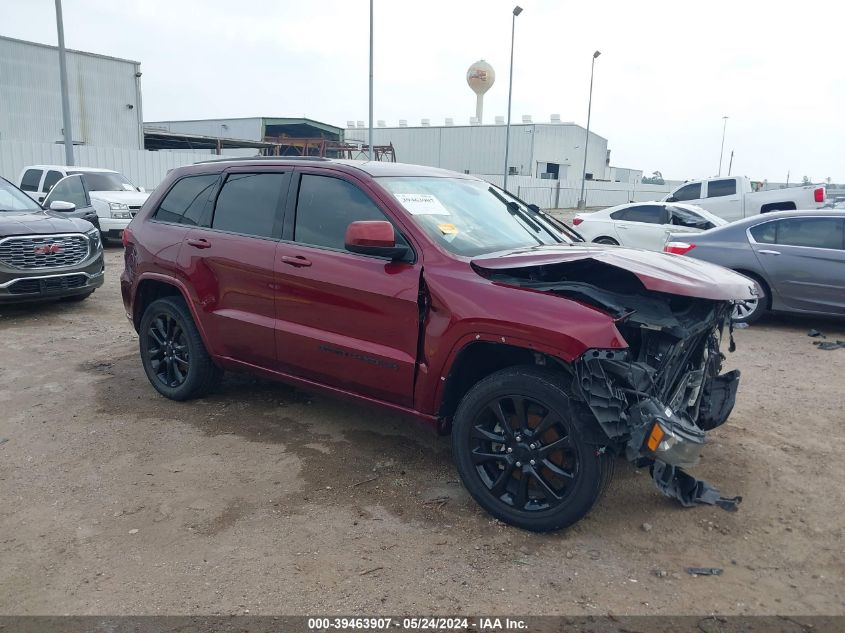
(564, 194)
(144, 168)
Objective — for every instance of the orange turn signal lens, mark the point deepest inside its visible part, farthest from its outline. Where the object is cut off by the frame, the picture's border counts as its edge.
(654, 437)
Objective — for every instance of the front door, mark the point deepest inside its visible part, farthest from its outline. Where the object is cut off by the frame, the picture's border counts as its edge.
(346, 320)
(229, 263)
(72, 189)
(804, 260)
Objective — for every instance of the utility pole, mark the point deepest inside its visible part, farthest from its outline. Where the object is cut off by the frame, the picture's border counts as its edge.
(67, 131)
(582, 201)
(722, 151)
(370, 134)
(516, 11)
(731, 163)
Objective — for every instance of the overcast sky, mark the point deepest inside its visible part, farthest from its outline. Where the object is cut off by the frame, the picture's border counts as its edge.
(668, 72)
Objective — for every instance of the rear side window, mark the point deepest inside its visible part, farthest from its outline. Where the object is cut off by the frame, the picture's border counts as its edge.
(249, 203)
(31, 179)
(808, 232)
(51, 179)
(689, 219)
(326, 207)
(646, 213)
(719, 188)
(186, 202)
(688, 192)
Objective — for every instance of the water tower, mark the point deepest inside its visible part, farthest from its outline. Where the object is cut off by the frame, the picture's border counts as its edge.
(480, 78)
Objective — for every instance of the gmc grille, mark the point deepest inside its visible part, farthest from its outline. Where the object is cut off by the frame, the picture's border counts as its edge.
(43, 251)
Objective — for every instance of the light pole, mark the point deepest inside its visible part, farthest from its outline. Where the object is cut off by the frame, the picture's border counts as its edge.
(516, 11)
(582, 201)
(370, 133)
(67, 132)
(722, 151)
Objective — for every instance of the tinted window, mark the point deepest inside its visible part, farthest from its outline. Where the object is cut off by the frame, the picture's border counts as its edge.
(326, 207)
(186, 201)
(70, 190)
(30, 180)
(51, 179)
(718, 188)
(688, 192)
(813, 232)
(647, 213)
(249, 203)
(690, 219)
(765, 233)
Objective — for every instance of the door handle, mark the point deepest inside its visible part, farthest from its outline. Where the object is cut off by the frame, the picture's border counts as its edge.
(299, 261)
(199, 242)
(621, 226)
(766, 251)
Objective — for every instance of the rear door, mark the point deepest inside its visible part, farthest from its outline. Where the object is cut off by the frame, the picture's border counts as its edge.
(641, 226)
(229, 259)
(724, 198)
(346, 320)
(804, 259)
(31, 184)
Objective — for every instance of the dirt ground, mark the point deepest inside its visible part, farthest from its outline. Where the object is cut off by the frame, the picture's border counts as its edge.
(269, 500)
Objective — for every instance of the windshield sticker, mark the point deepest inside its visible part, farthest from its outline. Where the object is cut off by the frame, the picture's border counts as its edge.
(422, 204)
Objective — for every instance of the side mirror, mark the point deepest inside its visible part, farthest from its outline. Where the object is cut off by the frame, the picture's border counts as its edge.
(141, 190)
(671, 199)
(374, 237)
(61, 205)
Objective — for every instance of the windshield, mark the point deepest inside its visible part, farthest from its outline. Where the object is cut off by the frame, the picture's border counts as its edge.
(471, 217)
(14, 200)
(105, 181)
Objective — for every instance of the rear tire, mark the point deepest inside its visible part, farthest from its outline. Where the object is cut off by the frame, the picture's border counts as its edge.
(606, 240)
(520, 448)
(172, 352)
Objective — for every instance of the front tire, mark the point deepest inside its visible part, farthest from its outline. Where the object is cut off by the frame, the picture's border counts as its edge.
(172, 352)
(520, 448)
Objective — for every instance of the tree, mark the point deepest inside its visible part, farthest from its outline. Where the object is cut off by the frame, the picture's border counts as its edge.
(656, 178)
(806, 180)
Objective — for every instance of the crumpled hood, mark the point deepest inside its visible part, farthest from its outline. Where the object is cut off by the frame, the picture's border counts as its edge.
(132, 198)
(39, 224)
(659, 272)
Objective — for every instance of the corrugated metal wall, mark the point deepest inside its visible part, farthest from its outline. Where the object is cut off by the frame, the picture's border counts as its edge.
(100, 91)
(243, 129)
(144, 168)
(481, 149)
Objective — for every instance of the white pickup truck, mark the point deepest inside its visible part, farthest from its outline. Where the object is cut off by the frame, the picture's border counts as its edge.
(734, 197)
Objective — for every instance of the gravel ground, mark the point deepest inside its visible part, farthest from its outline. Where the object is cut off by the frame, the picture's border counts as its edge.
(270, 500)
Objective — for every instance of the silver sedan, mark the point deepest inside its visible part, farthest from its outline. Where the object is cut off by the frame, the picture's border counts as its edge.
(797, 259)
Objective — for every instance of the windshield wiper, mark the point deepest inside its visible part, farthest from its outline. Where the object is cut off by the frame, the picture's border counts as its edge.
(514, 210)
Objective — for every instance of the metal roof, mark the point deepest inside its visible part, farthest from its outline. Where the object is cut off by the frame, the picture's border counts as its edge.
(70, 50)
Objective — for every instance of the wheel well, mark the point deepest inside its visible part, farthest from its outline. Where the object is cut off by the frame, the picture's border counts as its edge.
(760, 281)
(475, 362)
(605, 237)
(778, 206)
(148, 291)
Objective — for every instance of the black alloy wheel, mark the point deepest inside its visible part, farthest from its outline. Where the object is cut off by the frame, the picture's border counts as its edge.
(520, 446)
(172, 351)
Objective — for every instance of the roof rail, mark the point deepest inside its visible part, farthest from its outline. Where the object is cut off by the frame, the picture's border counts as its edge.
(260, 158)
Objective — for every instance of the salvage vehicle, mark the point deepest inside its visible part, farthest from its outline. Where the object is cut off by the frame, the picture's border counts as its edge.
(437, 295)
(734, 197)
(643, 224)
(115, 199)
(797, 259)
(44, 256)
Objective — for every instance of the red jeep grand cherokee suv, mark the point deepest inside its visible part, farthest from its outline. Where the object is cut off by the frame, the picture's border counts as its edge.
(436, 294)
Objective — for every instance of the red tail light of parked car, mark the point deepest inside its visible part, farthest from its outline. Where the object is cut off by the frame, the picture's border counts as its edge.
(678, 248)
(818, 195)
(577, 221)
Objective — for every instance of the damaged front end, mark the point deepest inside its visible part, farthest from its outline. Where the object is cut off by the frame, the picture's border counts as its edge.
(655, 399)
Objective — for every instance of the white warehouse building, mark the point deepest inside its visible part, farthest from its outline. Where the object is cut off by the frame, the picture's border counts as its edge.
(541, 150)
(104, 93)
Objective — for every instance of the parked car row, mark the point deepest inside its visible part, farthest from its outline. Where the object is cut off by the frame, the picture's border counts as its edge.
(109, 197)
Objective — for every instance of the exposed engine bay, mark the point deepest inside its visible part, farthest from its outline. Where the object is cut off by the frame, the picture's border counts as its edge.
(656, 399)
